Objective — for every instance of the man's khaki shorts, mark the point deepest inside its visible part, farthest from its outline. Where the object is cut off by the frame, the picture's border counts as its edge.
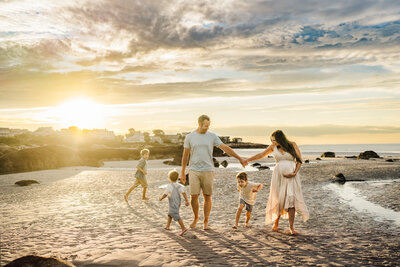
(201, 180)
(140, 181)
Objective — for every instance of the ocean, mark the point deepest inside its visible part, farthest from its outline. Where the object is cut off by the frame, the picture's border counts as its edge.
(383, 150)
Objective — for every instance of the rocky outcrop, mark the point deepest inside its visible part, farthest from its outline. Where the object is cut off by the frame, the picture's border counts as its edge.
(26, 182)
(328, 155)
(317, 159)
(339, 178)
(306, 161)
(260, 168)
(256, 165)
(216, 163)
(368, 155)
(38, 261)
(224, 163)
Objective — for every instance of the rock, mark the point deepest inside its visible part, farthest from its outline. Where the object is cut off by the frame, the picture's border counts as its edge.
(224, 163)
(339, 178)
(216, 163)
(317, 159)
(256, 164)
(306, 161)
(390, 160)
(260, 168)
(38, 261)
(218, 152)
(328, 155)
(351, 157)
(368, 154)
(26, 182)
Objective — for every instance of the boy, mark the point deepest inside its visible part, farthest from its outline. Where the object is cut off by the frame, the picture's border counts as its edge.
(140, 174)
(173, 192)
(247, 197)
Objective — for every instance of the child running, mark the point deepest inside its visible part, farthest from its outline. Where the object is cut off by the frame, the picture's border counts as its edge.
(174, 191)
(140, 174)
(247, 197)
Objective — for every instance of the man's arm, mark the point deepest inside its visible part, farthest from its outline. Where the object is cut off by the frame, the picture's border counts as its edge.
(232, 153)
(185, 157)
(186, 199)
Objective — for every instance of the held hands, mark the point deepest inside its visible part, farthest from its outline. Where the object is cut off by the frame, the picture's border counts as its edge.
(187, 203)
(243, 162)
(290, 175)
(183, 178)
(255, 190)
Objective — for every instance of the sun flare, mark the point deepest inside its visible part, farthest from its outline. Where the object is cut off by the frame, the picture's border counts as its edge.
(81, 112)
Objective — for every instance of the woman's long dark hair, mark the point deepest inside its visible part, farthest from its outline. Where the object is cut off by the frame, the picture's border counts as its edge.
(286, 145)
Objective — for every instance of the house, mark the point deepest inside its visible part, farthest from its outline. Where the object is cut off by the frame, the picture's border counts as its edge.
(137, 137)
(237, 140)
(156, 139)
(99, 134)
(44, 131)
(172, 138)
(225, 139)
(5, 132)
(15, 132)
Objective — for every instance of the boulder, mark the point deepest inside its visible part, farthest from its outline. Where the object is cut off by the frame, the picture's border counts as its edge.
(306, 161)
(38, 261)
(317, 159)
(216, 163)
(224, 163)
(328, 155)
(256, 164)
(339, 178)
(26, 182)
(368, 154)
(260, 168)
(351, 157)
(390, 160)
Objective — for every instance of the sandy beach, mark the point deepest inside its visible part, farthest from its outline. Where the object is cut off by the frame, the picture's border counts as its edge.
(78, 214)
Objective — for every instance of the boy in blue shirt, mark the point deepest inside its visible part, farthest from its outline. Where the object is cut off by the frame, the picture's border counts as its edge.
(140, 174)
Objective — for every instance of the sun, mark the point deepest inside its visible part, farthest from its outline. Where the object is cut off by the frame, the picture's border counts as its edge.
(81, 112)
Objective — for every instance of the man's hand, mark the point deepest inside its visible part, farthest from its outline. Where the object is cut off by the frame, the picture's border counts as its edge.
(183, 178)
(290, 175)
(187, 203)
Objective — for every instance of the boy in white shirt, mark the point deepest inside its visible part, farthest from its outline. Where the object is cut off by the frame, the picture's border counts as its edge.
(247, 197)
(174, 191)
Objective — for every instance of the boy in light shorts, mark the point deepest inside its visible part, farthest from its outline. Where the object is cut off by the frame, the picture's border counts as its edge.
(247, 197)
(140, 175)
(174, 191)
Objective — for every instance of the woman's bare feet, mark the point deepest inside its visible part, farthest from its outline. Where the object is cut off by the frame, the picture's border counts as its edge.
(145, 198)
(183, 231)
(194, 223)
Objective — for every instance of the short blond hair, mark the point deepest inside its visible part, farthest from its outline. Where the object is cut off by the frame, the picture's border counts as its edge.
(173, 175)
(144, 152)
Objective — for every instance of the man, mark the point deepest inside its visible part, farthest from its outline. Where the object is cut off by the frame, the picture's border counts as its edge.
(199, 144)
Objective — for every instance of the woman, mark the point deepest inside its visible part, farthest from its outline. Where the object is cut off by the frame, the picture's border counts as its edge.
(285, 197)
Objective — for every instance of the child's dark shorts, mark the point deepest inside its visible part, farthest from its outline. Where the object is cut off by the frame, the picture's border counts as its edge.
(249, 207)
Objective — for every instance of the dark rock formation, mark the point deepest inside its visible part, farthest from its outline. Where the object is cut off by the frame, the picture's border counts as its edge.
(256, 164)
(38, 261)
(260, 168)
(339, 178)
(224, 163)
(328, 155)
(368, 154)
(306, 161)
(317, 159)
(26, 182)
(216, 163)
(351, 157)
(390, 160)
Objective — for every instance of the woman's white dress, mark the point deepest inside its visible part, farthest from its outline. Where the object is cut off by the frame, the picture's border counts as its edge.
(285, 192)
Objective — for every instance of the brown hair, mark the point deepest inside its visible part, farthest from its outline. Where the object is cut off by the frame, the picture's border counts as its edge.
(286, 145)
(242, 176)
(173, 175)
(203, 118)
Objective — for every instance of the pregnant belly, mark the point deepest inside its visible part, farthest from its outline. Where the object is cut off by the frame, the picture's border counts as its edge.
(285, 167)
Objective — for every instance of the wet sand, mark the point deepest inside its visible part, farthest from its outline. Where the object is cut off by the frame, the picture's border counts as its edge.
(79, 214)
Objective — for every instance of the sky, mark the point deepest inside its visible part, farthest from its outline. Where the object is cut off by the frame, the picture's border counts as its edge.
(322, 71)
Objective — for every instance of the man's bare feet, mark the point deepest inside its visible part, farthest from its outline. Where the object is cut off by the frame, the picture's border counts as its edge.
(166, 228)
(275, 228)
(293, 232)
(145, 198)
(183, 231)
(193, 224)
(126, 198)
(248, 225)
(235, 227)
(206, 227)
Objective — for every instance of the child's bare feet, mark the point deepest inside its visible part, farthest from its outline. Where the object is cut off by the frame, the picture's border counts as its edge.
(166, 228)
(126, 198)
(248, 225)
(183, 231)
(235, 226)
(275, 228)
(206, 227)
(145, 198)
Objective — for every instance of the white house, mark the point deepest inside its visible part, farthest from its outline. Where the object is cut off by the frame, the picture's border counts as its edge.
(138, 137)
(156, 139)
(100, 134)
(5, 132)
(44, 131)
(173, 138)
